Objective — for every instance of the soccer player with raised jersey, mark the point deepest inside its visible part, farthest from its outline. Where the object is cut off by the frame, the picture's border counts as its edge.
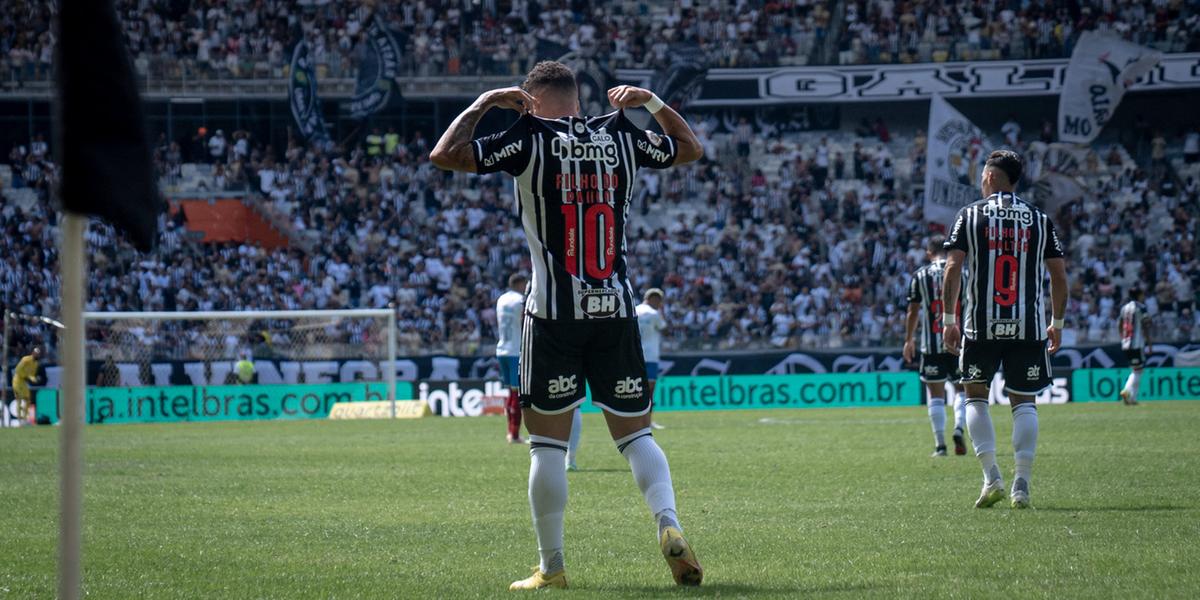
(936, 366)
(1135, 341)
(574, 181)
(1006, 245)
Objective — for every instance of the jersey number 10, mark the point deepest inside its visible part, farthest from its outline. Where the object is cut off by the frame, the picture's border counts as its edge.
(598, 239)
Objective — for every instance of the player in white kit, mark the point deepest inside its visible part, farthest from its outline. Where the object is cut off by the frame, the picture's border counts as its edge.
(651, 325)
(510, 311)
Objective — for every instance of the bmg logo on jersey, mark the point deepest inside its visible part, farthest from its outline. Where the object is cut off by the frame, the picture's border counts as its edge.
(562, 386)
(628, 388)
(599, 303)
(1023, 216)
(579, 150)
(1004, 329)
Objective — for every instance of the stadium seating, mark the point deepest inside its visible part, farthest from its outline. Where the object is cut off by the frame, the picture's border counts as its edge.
(762, 257)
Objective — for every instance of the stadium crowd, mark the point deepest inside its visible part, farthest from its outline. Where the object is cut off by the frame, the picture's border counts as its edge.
(876, 31)
(238, 39)
(812, 248)
(230, 38)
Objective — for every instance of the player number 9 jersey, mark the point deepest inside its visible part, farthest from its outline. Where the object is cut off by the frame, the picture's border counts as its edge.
(1007, 242)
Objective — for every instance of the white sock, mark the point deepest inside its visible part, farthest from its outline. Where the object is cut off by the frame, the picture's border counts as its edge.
(960, 412)
(1024, 438)
(576, 431)
(983, 437)
(548, 499)
(1132, 384)
(653, 475)
(937, 418)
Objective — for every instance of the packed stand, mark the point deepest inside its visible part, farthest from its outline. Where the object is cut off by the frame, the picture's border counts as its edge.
(890, 31)
(811, 248)
(228, 39)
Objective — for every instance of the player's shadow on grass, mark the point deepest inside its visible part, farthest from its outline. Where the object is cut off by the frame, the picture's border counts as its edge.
(1147, 508)
(739, 589)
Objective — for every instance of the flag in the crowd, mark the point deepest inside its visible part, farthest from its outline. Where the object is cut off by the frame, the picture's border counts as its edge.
(1102, 67)
(1056, 172)
(955, 152)
(377, 71)
(302, 96)
(107, 169)
(680, 82)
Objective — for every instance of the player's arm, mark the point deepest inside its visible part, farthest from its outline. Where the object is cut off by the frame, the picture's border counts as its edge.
(910, 320)
(951, 286)
(1058, 301)
(1146, 330)
(453, 151)
(628, 96)
(910, 325)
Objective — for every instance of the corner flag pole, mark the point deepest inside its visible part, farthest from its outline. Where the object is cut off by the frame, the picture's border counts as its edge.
(71, 401)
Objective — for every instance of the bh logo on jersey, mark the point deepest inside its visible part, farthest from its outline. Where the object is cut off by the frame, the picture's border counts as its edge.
(630, 387)
(1004, 329)
(599, 303)
(562, 386)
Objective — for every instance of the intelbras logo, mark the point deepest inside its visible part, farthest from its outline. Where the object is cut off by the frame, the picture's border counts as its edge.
(599, 148)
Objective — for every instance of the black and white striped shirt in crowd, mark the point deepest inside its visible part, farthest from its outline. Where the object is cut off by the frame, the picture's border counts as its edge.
(574, 181)
(925, 289)
(1133, 325)
(1007, 242)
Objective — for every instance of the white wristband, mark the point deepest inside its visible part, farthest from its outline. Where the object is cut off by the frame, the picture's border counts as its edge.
(654, 104)
(949, 319)
(1057, 323)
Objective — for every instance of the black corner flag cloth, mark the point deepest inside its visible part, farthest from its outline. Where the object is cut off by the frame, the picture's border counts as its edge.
(107, 170)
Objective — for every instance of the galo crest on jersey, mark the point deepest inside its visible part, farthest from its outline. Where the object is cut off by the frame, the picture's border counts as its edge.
(600, 148)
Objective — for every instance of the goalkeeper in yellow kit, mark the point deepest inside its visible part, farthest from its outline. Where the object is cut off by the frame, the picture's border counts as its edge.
(25, 374)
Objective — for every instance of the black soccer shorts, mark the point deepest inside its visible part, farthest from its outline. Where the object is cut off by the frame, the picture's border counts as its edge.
(1025, 362)
(1137, 357)
(936, 368)
(559, 357)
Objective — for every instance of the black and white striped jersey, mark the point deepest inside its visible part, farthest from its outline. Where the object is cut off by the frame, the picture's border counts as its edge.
(1133, 325)
(574, 181)
(925, 289)
(1007, 242)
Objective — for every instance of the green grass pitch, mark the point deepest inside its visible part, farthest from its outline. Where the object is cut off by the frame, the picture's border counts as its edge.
(777, 503)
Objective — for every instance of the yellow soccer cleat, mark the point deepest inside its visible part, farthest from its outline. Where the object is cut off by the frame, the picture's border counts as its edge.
(540, 580)
(684, 566)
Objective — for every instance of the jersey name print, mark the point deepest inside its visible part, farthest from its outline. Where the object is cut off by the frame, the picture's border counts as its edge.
(1007, 242)
(574, 180)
